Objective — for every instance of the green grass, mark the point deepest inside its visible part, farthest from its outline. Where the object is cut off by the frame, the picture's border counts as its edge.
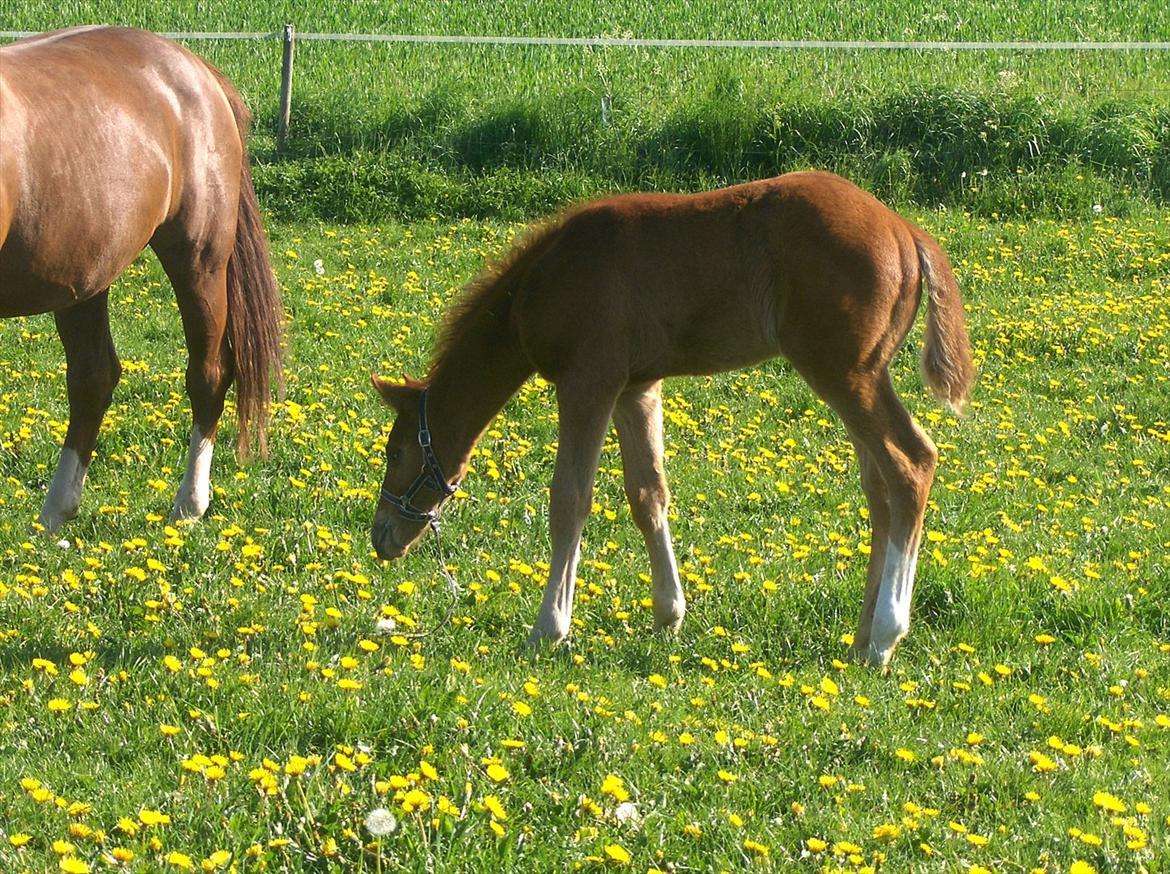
(735, 19)
(210, 651)
(230, 675)
(402, 131)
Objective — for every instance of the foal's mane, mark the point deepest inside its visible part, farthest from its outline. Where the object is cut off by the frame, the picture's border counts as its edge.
(489, 293)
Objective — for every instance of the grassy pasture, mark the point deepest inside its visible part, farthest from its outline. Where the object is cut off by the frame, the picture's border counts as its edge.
(220, 697)
(677, 19)
(394, 131)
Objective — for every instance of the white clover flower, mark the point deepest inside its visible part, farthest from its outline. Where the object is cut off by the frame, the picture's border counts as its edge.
(625, 812)
(319, 267)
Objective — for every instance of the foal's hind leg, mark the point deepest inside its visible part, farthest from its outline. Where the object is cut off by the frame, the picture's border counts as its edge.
(878, 501)
(905, 458)
(584, 419)
(638, 417)
(92, 371)
(201, 293)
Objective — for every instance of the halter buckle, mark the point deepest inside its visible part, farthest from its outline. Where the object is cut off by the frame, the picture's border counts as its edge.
(431, 476)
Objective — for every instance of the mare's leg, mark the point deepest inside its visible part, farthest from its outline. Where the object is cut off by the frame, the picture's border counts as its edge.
(905, 458)
(584, 418)
(92, 371)
(200, 282)
(638, 417)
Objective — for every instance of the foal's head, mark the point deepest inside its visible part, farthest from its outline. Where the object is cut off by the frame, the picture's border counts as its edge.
(416, 484)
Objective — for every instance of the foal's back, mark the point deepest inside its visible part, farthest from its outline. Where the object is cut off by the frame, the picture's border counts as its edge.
(665, 284)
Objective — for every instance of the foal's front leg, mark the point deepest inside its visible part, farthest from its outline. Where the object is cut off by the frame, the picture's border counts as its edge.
(584, 419)
(638, 417)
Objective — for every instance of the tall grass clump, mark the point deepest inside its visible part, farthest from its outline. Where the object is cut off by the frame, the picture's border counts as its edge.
(994, 152)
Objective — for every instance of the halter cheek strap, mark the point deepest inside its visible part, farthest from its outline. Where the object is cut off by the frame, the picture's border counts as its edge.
(431, 476)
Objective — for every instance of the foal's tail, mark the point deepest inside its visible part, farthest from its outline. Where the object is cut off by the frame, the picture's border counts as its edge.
(255, 313)
(947, 368)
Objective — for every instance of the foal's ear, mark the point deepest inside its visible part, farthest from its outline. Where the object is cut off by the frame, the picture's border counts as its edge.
(400, 396)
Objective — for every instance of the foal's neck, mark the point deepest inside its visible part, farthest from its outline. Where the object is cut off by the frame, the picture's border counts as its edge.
(481, 368)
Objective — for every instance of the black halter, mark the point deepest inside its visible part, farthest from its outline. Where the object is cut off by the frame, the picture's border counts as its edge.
(431, 476)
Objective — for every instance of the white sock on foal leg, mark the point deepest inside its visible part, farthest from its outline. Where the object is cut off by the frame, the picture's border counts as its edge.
(64, 496)
(670, 604)
(195, 490)
(556, 609)
(891, 615)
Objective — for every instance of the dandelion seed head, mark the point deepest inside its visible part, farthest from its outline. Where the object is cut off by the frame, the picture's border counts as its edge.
(381, 822)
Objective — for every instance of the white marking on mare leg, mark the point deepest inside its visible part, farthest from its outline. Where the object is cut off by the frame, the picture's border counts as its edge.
(891, 615)
(195, 490)
(64, 496)
(670, 604)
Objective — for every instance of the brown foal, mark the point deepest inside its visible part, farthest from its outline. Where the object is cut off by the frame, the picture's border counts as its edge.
(111, 140)
(612, 297)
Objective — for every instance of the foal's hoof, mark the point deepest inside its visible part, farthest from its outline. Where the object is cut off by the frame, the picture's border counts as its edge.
(545, 637)
(871, 657)
(187, 511)
(669, 628)
(669, 622)
(47, 526)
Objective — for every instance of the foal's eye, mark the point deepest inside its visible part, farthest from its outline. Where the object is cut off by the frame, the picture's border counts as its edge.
(392, 457)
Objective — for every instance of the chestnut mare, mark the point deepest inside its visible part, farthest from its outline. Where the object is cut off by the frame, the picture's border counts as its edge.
(615, 295)
(112, 140)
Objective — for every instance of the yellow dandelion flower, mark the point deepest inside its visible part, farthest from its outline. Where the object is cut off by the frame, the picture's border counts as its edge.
(1109, 803)
(756, 848)
(180, 860)
(618, 853)
(153, 817)
(493, 805)
(614, 787)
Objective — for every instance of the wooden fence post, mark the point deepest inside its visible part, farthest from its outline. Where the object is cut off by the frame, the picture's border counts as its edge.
(286, 78)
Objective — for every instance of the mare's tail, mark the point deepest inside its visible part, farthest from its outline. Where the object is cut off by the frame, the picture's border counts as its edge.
(255, 313)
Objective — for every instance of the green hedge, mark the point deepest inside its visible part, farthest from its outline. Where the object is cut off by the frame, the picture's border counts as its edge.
(982, 152)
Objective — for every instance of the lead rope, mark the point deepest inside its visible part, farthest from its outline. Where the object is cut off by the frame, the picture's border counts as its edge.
(452, 587)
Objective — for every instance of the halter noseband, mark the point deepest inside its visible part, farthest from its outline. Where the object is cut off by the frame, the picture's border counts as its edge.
(431, 476)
